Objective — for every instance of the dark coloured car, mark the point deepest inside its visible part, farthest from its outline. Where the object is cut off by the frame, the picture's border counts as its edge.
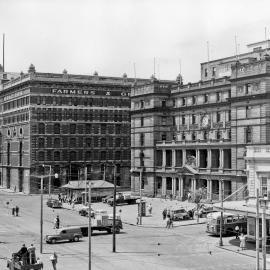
(53, 203)
(85, 210)
(65, 234)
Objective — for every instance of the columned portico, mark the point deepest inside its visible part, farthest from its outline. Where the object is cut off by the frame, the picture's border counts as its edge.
(184, 155)
(173, 158)
(209, 159)
(221, 158)
(173, 186)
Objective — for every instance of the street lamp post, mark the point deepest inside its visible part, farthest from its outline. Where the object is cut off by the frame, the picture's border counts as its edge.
(41, 215)
(257, 231)
(114, 206)
(264, 203)
(140, 190)
(50, 179)
(89, 220)
(221, 215)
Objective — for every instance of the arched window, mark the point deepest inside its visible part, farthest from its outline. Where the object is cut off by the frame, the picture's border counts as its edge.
(88, 155)
(103, 155)
(73, 155)
(41, 128)
(57, 142)
(117, 155)
(56, 128)
(103, 142)
(56, 156)
(41, 156)
(41, 143)
(72, 142)
(117, 142)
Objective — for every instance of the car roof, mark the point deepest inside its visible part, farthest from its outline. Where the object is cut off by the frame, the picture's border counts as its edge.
(70, 228)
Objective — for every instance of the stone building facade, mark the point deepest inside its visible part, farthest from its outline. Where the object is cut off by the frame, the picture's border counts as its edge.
(189, 137)
(65, 121)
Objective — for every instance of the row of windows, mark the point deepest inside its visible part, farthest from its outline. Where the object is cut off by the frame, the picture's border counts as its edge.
(80, 101)
(16, 118)
(194, 99)
(195, 136)
(80, 142)
(80, 115)
(80, 156)
(57, 128)
(16, 103)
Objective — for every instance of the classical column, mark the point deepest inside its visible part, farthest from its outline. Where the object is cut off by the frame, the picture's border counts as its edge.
(173, 158)
(209, 189)
(184, 155)
(181, 187)
(221, 158)
(198, 158)
(194, 185)
(173, 186)
(163, 158)
(164, 186)
(209, 158)
(219, 190)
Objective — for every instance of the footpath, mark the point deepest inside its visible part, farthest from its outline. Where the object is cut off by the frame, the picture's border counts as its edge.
(128, 213)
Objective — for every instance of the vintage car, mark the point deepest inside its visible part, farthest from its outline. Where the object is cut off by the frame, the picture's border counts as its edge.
(85, 210)
(179, 214)
(65, 234)
(54, 203)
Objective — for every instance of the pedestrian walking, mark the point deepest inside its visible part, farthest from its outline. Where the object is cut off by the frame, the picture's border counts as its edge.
(150, 209)
(164, 213)
(189, 196)
(168, 224)
(17, 210)
(138, 219)
(32, 254)
(53, 259)
(57, 222)
(236, 229)
(171, 222)
(242, 241)
(13, 211)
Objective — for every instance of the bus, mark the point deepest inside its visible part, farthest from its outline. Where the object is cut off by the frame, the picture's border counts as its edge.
(230, 221)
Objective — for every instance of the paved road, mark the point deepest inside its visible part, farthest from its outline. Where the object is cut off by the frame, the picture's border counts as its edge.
(187, 247)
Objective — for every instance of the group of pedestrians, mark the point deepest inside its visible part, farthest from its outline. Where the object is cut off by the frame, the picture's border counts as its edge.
(26, 255)
(240, 235)
(15, 211)
(168, 217)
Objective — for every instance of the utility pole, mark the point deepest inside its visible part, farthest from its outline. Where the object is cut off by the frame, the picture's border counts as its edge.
(114, 206)
(140, 205)
(264, 235)
(221, 216)
(50, 181)
(41, 215)
(257, 231)
(89, 223)
(85, 191)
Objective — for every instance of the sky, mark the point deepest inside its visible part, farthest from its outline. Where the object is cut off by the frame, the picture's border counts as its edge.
(114, 37)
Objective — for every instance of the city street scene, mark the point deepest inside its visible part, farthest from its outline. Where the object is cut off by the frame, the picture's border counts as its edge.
(134, 134)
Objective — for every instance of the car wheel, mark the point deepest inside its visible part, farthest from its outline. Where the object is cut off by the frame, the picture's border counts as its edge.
(117, 230)
(53, 241)
(76, 239)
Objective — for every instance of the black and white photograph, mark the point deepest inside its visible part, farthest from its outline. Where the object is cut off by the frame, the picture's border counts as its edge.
(134, 134)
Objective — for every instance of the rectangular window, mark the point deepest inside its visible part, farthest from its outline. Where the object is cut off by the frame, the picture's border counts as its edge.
(263, 186)
(163, 103)
(173, 121)
(248, 111)
(142, 104)
(205, 72)
(183, 120)
(183, 101)
(193, 119)
(248, 135)
(218, 117)
(163, 137)
(193, 100)
(218, 97)
(142, 121)
(214, 69)
(142, 139)
(205, 98)
(248, 88)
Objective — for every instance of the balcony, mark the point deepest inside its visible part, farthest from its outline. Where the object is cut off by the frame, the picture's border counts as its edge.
(218, 125)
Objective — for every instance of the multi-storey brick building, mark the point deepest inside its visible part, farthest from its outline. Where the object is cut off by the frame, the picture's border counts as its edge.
(190, 136)
(66, 122)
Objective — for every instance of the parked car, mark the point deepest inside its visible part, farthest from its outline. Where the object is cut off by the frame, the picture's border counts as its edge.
(54, 203)
(85, 210)
(204, 210)
(179, 214)
(65, 234)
